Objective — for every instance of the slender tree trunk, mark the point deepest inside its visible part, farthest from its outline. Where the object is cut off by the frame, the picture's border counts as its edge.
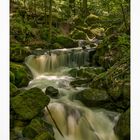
(45, 10)
(50, 21)
(85, 7)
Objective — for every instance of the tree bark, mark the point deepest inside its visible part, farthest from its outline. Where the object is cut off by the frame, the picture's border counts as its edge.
(50, 21)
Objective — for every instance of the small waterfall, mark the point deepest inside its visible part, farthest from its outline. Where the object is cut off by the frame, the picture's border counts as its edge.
(46, 63)
(75, 121)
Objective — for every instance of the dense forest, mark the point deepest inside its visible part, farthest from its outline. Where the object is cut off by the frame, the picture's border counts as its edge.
(75, 47)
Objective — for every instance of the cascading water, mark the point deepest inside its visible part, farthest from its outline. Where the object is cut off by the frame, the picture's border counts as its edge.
(75, 121)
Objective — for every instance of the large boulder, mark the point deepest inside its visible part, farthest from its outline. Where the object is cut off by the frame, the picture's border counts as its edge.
(66, 42)
(122, 128)
(29, 103)
(93, 97)
(36, 127)
(51, 91)
(22, 77)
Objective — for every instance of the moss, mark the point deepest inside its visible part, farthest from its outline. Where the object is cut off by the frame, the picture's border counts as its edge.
(13, 90)
(36, 127)
(122, 128)
(18, 53)
(77, 34)
(66, 42)
(44, 136)
(93, 97)
(12, 77)
(29, 103)
(22, 77)
(91, 19)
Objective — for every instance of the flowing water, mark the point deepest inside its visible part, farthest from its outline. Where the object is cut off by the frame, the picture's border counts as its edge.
(75, 121)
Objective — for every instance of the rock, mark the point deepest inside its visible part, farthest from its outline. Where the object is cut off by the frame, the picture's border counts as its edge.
(13, 90)
(80, 82)
(73, 72)
(51, 91)
(93, 97)
(91, 19)
(66, 42)
(12, 77)
(126, 91)
(22, 77)
(77, 34)
(122, 128)
(44, 136)
(36, 127)
(18, 53)
(29, 103)
(57, 46)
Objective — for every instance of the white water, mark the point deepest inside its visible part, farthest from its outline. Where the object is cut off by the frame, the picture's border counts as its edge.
(75, 121)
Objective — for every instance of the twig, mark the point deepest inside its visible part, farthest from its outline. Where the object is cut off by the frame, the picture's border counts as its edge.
(54, 122)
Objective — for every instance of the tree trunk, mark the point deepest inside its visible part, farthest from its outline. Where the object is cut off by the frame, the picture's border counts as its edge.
(85, 7)
(45, 10)
(50, 21)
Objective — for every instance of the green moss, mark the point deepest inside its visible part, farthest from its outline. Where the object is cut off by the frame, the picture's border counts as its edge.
(36, 127)
(77, 34)
(22, 77)
(91, 19)
(66, 42)
(122, 128)
(44, 136)
(29, 103)
(13, 90)
(12, 77)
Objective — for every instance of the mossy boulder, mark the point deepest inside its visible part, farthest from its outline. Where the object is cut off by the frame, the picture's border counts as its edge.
(44, 136)
(29, 103)
(66, 42)
(91, 19)
(98, 31)
(77, 34)
(13, 90)
(73, 72)
(36, 127)
(51, 91)
(22, 77)
(57, 46)
(93, 97)
(122, 128)
(18, 53)
(80, 82)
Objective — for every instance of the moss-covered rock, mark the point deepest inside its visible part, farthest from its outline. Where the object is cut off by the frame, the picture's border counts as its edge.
(98, 31)
(77, 34)
(122, 128)
(29, 103)
(56, 46)
(44, 136)
(91, 19)
(36, 127)
(51, 91)
(66, 42)
(80, 82)
(22, 77)
(18, 53)
(13, 90)
(93, 97)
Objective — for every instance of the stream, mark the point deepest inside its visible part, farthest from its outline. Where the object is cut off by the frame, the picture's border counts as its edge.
(76, 121)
